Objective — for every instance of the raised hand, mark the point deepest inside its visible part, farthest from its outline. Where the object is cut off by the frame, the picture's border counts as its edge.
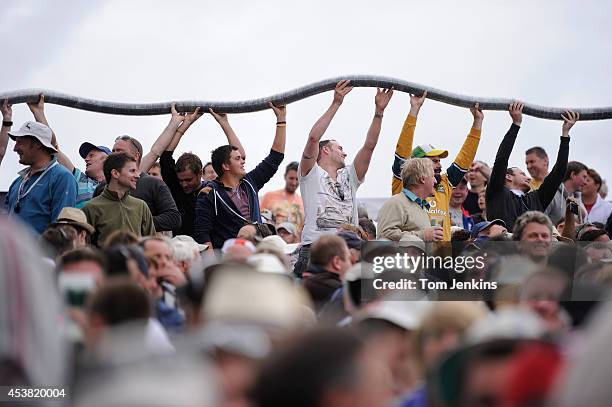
(342, 89)
(382, 98)
(569, 119)
(516, 112)
(417, 101)
(7, 111)
(280, 112)
(477, 112)
(190, 118)
(177, 117)
(221, 118)
(38, 108)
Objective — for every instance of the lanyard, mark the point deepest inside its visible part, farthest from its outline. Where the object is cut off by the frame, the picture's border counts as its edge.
(20, 194)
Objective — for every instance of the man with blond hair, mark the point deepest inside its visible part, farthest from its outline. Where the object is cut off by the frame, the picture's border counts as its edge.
(407, 211)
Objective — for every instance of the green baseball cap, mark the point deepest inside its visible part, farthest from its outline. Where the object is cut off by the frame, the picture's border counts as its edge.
(427, 150)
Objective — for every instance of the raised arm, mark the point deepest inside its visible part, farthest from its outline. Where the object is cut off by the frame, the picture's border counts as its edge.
(498, 173)
(280, 136)
(466, 155)
(182, 129)
(404, 142)
(159, 146)
(551, 182)
(7, 117)
(38, 111)
(364, 155)
(232, 138)
(311, 151)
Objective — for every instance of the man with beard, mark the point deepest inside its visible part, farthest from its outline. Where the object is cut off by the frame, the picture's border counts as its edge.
(439, 203)
(286, 204)
(533, 231)
(327, 184)
(506, 205)
(115, 209)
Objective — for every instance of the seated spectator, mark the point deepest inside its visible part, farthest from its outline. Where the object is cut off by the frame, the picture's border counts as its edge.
(78, 220)
(59, 239)
(288, 232)
(120, 238)
(115, 208)
(237, 250)
(484, 231)
(354, 243)
(369, 227)
(599, 251)
(533, 230)
(407, 211)
(330, 259)
(294, 377)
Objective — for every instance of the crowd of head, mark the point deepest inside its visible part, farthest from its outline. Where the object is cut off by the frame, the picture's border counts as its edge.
(145, 280)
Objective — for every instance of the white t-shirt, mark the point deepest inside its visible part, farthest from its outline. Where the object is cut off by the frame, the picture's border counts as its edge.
(324, 207)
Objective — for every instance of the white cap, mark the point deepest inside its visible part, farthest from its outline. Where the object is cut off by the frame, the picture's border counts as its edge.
(278, 243)
(405, 314)
(37, 130)
(189, 239)
(267, 263)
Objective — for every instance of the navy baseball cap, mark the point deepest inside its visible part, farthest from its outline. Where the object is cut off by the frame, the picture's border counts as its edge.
(480, 226)
(87, 147)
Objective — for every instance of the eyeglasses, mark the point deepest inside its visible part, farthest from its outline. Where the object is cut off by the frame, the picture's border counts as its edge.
(130, 140)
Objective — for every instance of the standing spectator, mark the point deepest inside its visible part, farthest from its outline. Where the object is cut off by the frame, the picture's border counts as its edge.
(407, 211)
(536, 161)
(438, 203)
(503, 203)
(183, 177)
(93, 155)
(7, 122)
(458, 214)
(286, 204)
(229, 202)
(153, 191)
(155, 171)
(327, 184)
(598, 210)
(517, 181)
(41, 191)
(115, 209)
(478, 176)
(209, 172)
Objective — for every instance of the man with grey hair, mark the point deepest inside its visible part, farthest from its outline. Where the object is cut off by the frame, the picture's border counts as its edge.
(407, 211)
(533, 231)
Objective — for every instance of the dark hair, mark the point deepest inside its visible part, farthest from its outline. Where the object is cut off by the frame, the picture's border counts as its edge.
(323, 250)
(368, 225)
(322, 144)
(591, 235)
(292, 166)
(189, 161)
(59, 238)
(155, 165)
(221, 155)
(294, 375)
(538, 151)
(81, 254)
(115, 161)
(120, 300)
(596, 178)
(510, 170)
(574, 167)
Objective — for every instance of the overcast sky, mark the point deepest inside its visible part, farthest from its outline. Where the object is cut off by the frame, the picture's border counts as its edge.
(552, 53)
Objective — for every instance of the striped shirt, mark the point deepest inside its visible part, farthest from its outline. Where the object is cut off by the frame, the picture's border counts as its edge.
(86, 187)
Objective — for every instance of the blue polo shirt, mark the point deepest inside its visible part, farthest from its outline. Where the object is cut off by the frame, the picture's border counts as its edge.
(51, 192)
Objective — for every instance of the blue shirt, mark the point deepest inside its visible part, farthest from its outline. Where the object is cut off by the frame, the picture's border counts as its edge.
(85, 187)
(50, 193)
(410, 195)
